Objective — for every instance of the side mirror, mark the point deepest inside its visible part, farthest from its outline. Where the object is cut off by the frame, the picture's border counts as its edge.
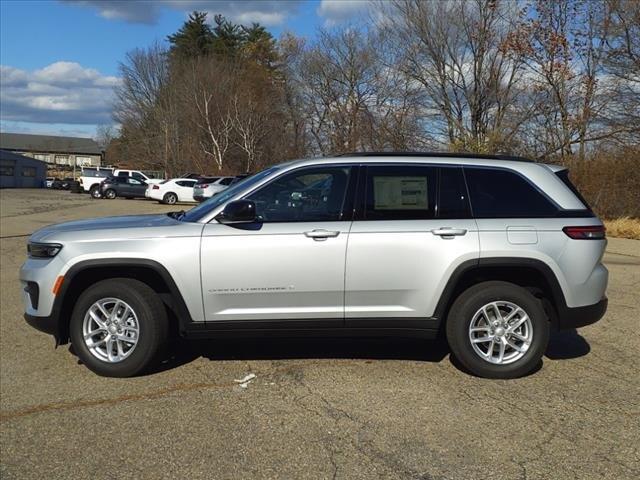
(240, 211)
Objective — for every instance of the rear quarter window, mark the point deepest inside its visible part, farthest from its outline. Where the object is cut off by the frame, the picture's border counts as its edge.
(500, 193)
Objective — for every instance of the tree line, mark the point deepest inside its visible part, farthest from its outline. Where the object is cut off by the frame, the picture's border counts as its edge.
(552, 80)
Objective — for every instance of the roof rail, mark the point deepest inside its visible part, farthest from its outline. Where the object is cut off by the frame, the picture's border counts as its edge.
(511, 158)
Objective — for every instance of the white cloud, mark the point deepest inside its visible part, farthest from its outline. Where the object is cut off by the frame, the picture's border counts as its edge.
(63, 92)
(267, 12)
(336, 12)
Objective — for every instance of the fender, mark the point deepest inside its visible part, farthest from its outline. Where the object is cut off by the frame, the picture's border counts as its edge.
(62, 307)
(450, 290)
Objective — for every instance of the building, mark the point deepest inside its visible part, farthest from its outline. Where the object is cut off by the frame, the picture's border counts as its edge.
(18, 171)
(59, 153)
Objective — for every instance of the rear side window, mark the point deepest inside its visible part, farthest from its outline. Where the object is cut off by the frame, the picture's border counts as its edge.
(453, 199)
(497, 193)
(400, 192)
(226, 181)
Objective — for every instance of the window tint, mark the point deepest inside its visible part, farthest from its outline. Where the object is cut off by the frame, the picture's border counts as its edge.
(226, 181)
(134, 181)
(314, 194)
(186, 183)
(123, 174)
(138, 176)
(453, 202)
(504, 194)
(400, 192)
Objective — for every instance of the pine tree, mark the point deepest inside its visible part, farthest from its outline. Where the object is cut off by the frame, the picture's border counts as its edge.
(227, 37)
(194, 39)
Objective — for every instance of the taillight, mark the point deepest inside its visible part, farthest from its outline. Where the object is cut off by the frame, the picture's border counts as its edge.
(155, 187)
(592, 232)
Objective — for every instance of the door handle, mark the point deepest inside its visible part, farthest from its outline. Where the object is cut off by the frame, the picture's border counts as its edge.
(320, 235)
(448, 232)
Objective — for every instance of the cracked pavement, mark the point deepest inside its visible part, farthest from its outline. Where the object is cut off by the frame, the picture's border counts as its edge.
(318, 408)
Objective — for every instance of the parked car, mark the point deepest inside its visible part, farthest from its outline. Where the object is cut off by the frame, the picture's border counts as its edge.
(172, 191)
(127, 187)
(489, 250)
(90, 178)
(207, 187)
(48, 183)
(62, 184)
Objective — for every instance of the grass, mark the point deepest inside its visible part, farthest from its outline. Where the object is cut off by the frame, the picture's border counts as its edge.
(624, 227)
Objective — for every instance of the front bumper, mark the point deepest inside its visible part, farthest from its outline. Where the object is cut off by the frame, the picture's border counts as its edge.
(50, 325)
(582, 316)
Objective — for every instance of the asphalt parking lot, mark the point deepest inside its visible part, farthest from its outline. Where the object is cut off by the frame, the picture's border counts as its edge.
(323, 408)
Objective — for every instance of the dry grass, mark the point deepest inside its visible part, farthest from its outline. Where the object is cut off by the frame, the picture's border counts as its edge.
(624, 227)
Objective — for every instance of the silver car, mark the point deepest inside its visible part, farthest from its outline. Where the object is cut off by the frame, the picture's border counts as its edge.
(492, 251)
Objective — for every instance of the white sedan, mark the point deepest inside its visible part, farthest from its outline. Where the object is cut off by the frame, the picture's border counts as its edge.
(172, 191)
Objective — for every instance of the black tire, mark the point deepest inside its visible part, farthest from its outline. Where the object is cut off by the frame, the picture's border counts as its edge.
(94, 191)
(462, 313)
(152, 323)
(110, 194)
(170, 198)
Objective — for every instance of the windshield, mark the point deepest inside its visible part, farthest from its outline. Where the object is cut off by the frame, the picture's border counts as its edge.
(214, 202)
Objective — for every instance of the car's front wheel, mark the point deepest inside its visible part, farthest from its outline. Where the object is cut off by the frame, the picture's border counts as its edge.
(498, 330)
(110, 194)
(119, 327)
(170, 198)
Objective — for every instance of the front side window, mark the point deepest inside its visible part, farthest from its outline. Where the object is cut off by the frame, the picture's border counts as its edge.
(400, 192)
(134, 181)
(500, 193)
(308, 195)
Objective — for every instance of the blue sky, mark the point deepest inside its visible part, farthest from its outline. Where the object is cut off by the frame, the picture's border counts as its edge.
(60, 58)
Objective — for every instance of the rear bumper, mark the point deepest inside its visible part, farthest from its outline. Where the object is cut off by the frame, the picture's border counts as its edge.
(582, 316)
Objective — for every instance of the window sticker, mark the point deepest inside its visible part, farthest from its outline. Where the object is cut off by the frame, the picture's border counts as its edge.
(400, 193)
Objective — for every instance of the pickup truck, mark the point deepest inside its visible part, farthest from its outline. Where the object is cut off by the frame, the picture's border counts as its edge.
(90, 178)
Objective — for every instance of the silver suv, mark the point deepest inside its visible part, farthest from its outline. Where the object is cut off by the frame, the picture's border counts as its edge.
(490, 250)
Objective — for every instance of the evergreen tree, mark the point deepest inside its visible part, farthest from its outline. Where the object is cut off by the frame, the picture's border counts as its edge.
(227, 37)
(194, 39)
(259, 45)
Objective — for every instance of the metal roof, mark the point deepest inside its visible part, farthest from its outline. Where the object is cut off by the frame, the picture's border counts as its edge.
(7, 155)
(482, 156)
(48, 143)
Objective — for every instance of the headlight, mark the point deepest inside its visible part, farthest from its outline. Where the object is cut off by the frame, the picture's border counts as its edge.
(43, 250)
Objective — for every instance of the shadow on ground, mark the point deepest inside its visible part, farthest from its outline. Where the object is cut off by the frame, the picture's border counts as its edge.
(567, 344)
(183, 352)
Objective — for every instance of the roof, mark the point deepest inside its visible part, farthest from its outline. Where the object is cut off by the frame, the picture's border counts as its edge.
(7, 155)
(48, 143)
(483, 156)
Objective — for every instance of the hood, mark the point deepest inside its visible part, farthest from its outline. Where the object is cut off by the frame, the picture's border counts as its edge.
(105, 223)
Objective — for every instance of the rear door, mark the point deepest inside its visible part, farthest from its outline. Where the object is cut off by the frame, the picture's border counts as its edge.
(184, 190)
(413, 228)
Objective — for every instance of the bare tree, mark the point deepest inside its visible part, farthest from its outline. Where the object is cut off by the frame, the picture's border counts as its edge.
(460, 53)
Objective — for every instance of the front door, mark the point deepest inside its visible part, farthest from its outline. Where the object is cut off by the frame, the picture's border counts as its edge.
(408, 238)
(290, 264)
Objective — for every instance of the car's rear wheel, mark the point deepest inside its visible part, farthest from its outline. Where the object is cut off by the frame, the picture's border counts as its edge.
(110, 194)
(119, 327)
(170, 198)
(498, 330)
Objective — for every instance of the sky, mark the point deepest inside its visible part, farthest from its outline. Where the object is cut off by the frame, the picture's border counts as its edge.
(59, 59)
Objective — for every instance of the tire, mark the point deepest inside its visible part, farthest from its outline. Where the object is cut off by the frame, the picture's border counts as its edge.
(148, 315)
(170, 198)
(110, 194)
(94, 191)
(482, 357)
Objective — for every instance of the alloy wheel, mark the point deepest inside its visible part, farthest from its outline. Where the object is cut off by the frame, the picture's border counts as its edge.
(111, 330)
(501, 332)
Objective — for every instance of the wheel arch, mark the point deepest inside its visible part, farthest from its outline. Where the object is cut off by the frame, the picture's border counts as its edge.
(84, 274)
(532, 274)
